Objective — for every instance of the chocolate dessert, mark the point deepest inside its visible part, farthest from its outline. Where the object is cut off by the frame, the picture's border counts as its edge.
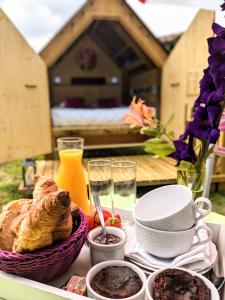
(179, 285)
(107, 239)
(116, 282)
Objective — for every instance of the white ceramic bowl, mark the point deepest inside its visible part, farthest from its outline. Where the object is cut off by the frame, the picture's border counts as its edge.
(168, 244)
(101, 252)
(169, 208)
(151, 278)
(97, 268)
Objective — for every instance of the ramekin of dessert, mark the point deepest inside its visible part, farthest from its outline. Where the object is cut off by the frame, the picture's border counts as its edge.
(106, 247)
(179, 283)
(116, 279)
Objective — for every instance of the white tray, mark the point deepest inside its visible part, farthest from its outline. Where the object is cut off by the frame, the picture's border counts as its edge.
(17, 288)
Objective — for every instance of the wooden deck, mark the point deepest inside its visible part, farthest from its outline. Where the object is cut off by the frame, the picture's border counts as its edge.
(150, 171)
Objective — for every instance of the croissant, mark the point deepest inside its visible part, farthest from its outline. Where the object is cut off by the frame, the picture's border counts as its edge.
(28, 225)
(9, 219)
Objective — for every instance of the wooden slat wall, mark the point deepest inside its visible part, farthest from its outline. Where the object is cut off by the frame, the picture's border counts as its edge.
(24, 103)
(149, 80)
(183, 70)
(68, 67)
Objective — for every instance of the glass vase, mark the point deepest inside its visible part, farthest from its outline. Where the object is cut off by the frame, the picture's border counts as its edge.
(193, 179)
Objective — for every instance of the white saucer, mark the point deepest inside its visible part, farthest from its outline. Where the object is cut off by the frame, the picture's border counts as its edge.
(147, 270)
(192, 266)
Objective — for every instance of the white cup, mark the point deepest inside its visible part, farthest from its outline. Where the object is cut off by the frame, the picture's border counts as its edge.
(170, 208)
(101, 252)
(168, 244)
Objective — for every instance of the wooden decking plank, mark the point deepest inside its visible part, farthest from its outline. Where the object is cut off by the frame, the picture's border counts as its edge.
(55, 168)
(145, 171)
(85, 173)
(48, 172)
(165, 169)
(148, 164)
(150, 171)
(169, 161)
(40, 167)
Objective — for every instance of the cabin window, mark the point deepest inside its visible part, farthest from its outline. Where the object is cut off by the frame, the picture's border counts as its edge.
(88, 80)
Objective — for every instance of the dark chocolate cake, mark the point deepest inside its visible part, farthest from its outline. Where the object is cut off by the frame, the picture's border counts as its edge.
(116, 282)
(172, 284)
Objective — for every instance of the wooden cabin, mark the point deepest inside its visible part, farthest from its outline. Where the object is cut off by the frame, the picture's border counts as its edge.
(97, 62)
(31, 85)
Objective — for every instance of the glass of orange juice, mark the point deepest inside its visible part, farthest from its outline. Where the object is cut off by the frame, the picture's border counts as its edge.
(70, 175)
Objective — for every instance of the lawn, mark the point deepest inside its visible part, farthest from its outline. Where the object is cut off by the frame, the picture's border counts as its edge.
(11, 176)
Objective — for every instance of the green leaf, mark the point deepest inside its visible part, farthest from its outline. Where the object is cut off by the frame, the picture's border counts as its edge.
(150, 131)
(171, 134)
(158, 147)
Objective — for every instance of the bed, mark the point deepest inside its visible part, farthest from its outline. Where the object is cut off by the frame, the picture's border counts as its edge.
(88, 117)
(98, 126)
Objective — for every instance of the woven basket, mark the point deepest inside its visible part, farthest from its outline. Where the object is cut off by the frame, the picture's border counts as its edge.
(46, 264)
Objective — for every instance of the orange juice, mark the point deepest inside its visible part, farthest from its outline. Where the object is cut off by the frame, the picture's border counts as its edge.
(71, 178)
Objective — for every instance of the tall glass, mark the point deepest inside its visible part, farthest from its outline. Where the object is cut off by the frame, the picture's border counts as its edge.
(99, 175)
(123, 184)
(70, 175)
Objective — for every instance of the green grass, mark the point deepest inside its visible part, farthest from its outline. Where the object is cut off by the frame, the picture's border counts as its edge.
(218, 201)
(10, 178)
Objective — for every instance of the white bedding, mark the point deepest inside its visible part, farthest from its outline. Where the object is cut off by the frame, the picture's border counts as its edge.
(87, 116)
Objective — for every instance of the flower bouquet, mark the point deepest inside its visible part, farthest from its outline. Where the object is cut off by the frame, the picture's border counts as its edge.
(198, 141)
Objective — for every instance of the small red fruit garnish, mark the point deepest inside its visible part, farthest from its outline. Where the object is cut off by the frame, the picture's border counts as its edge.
(106, 215)
(91, 222)
(113, 221)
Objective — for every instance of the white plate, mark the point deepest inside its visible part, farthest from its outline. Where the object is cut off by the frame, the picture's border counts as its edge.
(212, 259)
(149, 270)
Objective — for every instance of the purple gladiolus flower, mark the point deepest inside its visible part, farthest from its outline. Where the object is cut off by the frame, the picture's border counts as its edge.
(183, 152)
(213, 136)
(202, 130)
(218, 30)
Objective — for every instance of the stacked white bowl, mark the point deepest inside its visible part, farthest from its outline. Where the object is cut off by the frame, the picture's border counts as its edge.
(166, 220)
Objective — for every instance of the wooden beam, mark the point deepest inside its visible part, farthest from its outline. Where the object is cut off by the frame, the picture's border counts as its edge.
(67, 35)
(119, 10)
(94, 128)
(129, 42)
(108, 10)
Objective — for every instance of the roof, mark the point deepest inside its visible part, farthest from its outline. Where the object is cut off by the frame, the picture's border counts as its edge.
(101, 10)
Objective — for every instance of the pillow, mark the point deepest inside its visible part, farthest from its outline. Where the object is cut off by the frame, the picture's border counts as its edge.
(108, 103)
(74, 103)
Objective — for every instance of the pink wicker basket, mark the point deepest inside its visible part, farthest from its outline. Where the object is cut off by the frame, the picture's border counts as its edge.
(48, 263)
